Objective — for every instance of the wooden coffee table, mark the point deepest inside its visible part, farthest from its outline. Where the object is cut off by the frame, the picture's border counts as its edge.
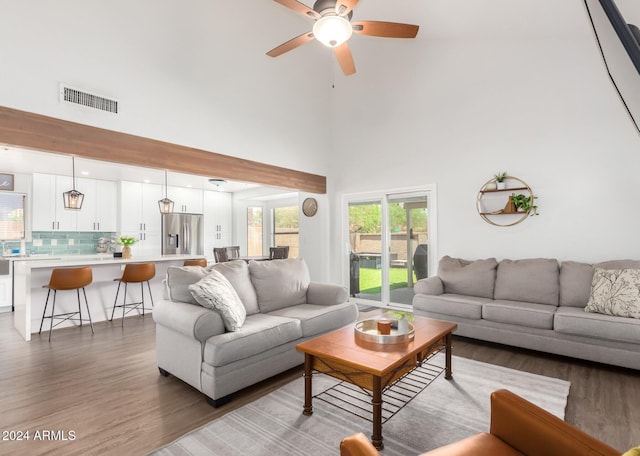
(373, 366)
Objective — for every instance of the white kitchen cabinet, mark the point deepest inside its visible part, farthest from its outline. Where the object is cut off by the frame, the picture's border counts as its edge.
(186, 200)
(140, 216)
(99, 210)
(6, 295)
(48, 212)
(218, 214)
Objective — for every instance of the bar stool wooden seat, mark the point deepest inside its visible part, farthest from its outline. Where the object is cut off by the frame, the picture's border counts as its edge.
(199, 262)
(134, 273)
(63, 279)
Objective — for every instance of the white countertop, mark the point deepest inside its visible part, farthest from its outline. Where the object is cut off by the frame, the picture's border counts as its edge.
(38, 261)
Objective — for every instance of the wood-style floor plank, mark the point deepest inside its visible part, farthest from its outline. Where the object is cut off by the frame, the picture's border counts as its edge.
(107, 390)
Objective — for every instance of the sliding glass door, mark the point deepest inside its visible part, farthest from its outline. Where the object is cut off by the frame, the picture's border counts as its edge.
(388, 243)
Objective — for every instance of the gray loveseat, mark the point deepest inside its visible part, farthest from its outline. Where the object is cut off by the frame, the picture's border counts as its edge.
(283, 308)
(531, 303)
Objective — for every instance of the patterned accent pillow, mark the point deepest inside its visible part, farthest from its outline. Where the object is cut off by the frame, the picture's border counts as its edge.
(215, 292)
(615, 292)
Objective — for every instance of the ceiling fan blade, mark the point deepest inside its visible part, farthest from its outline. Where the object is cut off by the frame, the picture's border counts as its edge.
(344, 7)
(385, 29)
(345, 59)
(291, 44)
(299, 8)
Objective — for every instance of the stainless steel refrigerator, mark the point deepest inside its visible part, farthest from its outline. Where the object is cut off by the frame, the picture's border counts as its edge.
(182, 234)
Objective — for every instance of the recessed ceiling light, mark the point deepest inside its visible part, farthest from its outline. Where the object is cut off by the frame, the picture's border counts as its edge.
(84, 173)
(146, 181)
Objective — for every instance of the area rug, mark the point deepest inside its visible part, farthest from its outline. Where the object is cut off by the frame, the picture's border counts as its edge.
(444, 412)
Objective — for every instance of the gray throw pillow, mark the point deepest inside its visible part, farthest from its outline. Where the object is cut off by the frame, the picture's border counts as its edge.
(179, 279)
(216, 293)
(469, 278)
(280, 283)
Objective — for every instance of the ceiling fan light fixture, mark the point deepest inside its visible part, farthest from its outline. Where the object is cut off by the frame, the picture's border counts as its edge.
(332, 30)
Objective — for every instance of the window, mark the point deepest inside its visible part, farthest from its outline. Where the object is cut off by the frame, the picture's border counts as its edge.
(254, 231)
(285, 229)
(11, 216)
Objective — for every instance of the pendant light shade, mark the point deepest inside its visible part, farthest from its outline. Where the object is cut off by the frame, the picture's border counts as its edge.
(73, 199)
(165, 204)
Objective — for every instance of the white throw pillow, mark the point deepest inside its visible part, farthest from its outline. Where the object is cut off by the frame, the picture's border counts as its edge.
(215, 292)
(615, 292)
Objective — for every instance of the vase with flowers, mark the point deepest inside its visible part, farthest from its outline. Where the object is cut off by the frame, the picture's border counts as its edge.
(126, 242)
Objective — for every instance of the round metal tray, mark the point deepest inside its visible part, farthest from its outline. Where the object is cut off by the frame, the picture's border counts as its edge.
(367, 330)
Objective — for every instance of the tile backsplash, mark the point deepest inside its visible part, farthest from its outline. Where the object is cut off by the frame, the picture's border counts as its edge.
(66, 242)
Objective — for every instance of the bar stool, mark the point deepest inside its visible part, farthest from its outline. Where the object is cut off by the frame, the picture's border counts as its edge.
(67, 279)
(200, 262)
(134, 273)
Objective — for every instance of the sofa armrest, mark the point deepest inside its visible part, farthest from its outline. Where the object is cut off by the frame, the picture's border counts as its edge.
(326, 294)
(429, 286)
(188, 319)
(536, 432)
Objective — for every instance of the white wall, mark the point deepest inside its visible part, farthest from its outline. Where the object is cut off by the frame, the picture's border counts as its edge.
(192, 73)
(490, 86)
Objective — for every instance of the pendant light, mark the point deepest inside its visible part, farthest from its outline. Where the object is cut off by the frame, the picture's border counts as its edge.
(73, 198)
(165, 204)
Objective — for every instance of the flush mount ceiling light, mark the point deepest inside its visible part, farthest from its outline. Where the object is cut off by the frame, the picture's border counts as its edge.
(217, 182)
(165, 204)
(332, 30)
(73, 199)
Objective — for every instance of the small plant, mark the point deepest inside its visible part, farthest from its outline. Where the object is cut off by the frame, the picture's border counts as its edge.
(500, 177)
(127, 240)
(399, 315)
(525, 203)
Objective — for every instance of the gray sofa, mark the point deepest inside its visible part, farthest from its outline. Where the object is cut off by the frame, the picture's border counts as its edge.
(531, 303)
(283, 308)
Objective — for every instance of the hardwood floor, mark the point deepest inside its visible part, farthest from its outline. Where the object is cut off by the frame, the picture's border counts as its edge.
(104, 395)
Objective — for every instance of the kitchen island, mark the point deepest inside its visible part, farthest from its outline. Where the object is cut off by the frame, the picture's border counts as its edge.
(30, 274)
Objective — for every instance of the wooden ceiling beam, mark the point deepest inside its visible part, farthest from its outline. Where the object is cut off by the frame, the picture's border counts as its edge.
(48, 134)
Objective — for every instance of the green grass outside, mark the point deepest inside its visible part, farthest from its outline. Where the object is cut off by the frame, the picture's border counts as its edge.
(371, 279)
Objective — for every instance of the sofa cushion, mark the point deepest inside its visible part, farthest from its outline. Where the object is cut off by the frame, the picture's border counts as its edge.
(451, 304)
(280, 283)
(519, 313)
(215, 292)
(615, 292)
(577, 322)
(318, 319)
(535, 280)
(575, 283)
(237, 272)
(179, 279)
(259, 333)
(469, 278)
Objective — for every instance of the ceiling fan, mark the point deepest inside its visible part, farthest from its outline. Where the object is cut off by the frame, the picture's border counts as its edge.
(333, 27)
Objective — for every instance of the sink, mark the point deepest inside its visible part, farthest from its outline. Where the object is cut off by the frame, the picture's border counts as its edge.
(5, 267)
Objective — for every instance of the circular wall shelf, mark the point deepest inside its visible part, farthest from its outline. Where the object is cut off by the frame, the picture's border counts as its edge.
(493, 203)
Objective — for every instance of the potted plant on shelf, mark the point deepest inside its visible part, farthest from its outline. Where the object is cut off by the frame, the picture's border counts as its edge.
(501, 180)
(524, 203)
(126, 242)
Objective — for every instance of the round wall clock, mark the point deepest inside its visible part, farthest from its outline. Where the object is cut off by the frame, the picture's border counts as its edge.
(309, 207)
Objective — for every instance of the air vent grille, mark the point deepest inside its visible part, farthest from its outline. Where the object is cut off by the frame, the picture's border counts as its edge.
(76, 96)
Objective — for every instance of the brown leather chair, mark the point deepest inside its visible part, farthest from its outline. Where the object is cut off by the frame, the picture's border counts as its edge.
(134, 273)
(200, 262)
(67, 279)
(518, 427)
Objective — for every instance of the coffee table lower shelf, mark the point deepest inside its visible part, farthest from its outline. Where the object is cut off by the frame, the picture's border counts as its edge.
(357, 401)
